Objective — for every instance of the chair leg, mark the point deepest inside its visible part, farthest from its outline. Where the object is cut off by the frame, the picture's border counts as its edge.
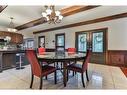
(54, 65)
(46, 77)
(68, 74)
(41, 82)
(69, 64)
(57, 65)
(87, 76)
(32, 78)
(73, 73)
(82, 75)
(55, 77)
(61, 65)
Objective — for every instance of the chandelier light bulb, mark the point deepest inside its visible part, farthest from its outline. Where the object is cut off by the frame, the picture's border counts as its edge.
(60, 17)
(14, 30)
(9, 29)
(44, 14)
(47, 18)
(57, 13)
(48, 11)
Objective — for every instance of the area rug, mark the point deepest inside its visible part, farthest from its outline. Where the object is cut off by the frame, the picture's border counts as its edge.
(124, 70)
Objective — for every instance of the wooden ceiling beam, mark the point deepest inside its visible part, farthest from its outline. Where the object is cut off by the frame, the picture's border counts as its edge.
(76, 9)
(97, 20)
(65, 12)
(2, 8)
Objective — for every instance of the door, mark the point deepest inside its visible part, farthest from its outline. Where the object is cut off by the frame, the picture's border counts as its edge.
(41, 41)
(60, 42)
(96, 40)
(28, 43)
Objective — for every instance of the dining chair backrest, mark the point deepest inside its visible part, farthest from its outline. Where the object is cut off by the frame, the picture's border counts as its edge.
(86, 60)
(60, 51)
(41, 50)
(71, 50)
(35, 66)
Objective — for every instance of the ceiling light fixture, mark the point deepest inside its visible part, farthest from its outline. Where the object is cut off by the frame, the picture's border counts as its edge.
(11, 26)
(51, 15)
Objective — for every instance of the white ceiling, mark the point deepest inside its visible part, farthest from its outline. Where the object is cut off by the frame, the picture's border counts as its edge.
(82, 16)
(22, 14)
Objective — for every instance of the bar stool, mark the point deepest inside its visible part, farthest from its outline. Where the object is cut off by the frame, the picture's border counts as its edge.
(19, 63)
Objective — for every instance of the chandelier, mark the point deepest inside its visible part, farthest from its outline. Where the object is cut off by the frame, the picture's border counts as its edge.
(51, 15)
(11, 26)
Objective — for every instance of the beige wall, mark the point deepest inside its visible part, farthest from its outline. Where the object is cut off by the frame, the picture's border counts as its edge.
(117, 34)
(117, 29)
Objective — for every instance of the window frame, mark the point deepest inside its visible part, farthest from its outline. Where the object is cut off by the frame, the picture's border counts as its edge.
(56, 35)
(39, 40)
(90, 38)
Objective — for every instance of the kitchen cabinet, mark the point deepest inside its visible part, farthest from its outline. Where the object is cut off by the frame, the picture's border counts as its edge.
(19, 38)
(8, 59)
(15, 37)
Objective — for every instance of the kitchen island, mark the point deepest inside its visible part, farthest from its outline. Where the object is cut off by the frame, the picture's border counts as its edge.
(8, 58)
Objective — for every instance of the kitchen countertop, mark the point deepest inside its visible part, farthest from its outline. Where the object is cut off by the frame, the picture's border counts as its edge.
(12, 51)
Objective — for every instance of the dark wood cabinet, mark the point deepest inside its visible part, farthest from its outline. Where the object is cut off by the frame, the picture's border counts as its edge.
(15, 37)
(19, 38)
(9, 60)
(117, 57)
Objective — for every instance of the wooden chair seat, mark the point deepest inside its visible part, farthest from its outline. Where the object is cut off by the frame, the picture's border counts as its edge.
(47, 70)
(75, 67)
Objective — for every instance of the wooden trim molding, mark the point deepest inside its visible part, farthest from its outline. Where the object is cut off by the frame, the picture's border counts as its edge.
(97, 20)
(2, 8)
(76, 9)
(117, 57)
(65, 12)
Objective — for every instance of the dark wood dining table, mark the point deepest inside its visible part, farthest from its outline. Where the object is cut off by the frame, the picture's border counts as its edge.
(64, 57)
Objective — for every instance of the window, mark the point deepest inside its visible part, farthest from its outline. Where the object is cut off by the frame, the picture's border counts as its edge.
(30, 44)
(82, 42)
(95, 39)
(97, 42)
(41, 41)
(60, 41)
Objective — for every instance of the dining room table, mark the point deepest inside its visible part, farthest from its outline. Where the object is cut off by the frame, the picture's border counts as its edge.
(62, 57)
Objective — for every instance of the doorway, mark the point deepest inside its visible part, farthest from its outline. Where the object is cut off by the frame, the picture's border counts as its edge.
(96, 40)
(41, 41)
(60, 42)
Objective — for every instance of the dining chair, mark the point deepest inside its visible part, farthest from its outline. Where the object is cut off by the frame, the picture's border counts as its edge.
(41, 50)
(71, 50)
(38, 70)
(60, 51)
(81, 68)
